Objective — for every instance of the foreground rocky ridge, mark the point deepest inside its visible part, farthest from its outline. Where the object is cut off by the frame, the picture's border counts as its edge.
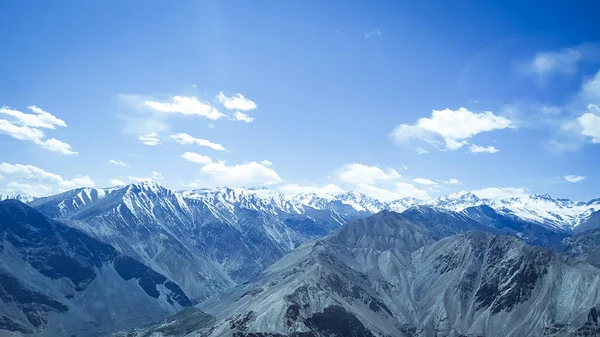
(390, 276)
(58, 281)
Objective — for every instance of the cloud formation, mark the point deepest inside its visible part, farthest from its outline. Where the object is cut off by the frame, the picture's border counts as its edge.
(564, 61)
(424, 181)
(482, 149)
(150, 139)
(184, 138)
(450, 129)
(196, 158)
(236, 102)
(573, 178)
(363, 174)
(53, 181)
(185, 105)
(119, 163)
(26, 127)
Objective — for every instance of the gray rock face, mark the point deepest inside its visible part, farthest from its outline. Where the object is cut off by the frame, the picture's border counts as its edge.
(206, 241)
(389, 276)
(58, 281)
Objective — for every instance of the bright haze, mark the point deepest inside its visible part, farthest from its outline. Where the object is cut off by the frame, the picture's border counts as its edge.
(391, 99)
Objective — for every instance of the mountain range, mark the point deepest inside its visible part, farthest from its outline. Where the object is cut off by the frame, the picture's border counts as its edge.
(233, 252)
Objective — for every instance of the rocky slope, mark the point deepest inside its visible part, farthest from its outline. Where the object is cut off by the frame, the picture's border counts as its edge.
(58, 281)
(388, 276)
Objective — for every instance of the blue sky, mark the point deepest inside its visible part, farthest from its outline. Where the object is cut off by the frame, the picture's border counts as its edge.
(316, 96)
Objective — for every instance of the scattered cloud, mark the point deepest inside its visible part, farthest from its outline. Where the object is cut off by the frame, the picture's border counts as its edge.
(421, 150)
(482, 149)
(406, 190)
(196, 158)
(211, 126)
(236, 102)
(363, 174)
(450, 129)
(27, 189)
(452, 181)
(248, 174)
(26, 127)
(154, 176)
(372, 33)
(573, 178)
(242, 117)
(589, 123)
(119, 163)
(39, 118)
(424, 181)
(150, 139)
(117, 182)
(184, 138)
(564, 61)
(497, 193)
(295, 189)
(186, 105)
(52, 180)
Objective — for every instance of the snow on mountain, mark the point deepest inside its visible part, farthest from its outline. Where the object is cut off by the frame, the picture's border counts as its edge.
(559, 214)
(20, 197)
(58, 281)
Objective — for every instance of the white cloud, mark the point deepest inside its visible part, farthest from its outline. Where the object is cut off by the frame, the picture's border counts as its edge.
(424, 181)
(247, 174)
(56, 145)
(454, 127)
(119, 163)
(39, 118)
(373, 33)
(185, 105)
(184, 138)
(78, 181)
(236, 102)
(573, 178)
(364, 174)
(196, 158)
(150, 139)
(451, 181)
(421, 150)
(27, 189)
(590, 126)
(378, 193)
(20, 132)
(242, 117)
(564, 61)
(26, 127)
(295, 189)
(482, 149)
(117, 182)
(499, 192)
(211, 126)
(154, 176)
(33, 173)
(266, 163)
(407, 190)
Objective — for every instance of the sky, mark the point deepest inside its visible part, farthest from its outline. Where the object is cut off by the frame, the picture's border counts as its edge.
(389, 98)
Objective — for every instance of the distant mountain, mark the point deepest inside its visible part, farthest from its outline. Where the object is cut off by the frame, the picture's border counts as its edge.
(558, 214)
(205, 240)
(209, 240)
(20, 197)
(393, 275)
(58, 281)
